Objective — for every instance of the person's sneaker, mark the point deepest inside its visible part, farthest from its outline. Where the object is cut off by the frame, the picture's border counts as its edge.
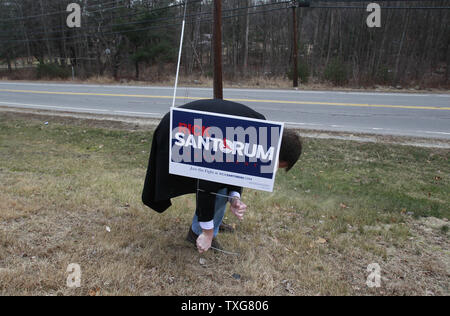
(225, 228)
(192, 238)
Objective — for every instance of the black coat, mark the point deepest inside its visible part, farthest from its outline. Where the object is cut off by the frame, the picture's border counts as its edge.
(160, 186)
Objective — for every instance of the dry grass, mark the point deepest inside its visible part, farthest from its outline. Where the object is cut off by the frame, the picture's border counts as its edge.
(345, 206)
(253, 82)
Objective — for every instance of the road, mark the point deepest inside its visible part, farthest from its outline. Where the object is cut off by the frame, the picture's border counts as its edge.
(416, 115)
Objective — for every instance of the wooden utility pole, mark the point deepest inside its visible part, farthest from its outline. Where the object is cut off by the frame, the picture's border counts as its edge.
(247, 29)
(217, 38)
(45, 32)
(295, 45)
(297, 4)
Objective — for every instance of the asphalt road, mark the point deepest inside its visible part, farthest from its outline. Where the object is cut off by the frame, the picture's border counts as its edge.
(422, 115)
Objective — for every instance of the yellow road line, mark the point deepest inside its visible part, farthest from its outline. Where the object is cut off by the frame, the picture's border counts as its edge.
(97, 94)
(235, 100)
(346, 104)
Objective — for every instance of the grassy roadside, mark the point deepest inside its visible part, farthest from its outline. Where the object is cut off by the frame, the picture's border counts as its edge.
(244, 83)
(345, 206)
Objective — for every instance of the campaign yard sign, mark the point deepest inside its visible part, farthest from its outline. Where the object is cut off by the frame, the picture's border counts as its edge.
(223, 148)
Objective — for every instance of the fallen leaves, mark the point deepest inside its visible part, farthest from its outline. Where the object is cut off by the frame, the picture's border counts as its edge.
(318, 241)
(94, 292)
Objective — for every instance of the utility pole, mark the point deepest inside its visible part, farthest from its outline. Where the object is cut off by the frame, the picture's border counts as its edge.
(296, 4)
(217, 38)
(45, 32)
(295, 45)
(247, 29)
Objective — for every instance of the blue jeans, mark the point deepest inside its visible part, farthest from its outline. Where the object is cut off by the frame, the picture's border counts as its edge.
(219, 213)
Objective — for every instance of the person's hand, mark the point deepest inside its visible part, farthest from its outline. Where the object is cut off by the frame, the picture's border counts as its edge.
(204, 241)
(238, 208)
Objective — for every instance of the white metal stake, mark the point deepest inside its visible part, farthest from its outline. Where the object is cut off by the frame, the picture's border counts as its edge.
(179, 56)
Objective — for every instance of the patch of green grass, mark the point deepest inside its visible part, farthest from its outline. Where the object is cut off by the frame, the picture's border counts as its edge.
(382, 179)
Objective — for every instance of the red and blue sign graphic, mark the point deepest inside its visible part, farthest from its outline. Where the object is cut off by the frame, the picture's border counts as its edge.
(223, 148)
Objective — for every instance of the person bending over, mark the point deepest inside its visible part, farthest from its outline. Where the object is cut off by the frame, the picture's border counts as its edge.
(211, 197)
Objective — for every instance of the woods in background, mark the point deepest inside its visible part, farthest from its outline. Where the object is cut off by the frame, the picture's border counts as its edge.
(138, 39)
